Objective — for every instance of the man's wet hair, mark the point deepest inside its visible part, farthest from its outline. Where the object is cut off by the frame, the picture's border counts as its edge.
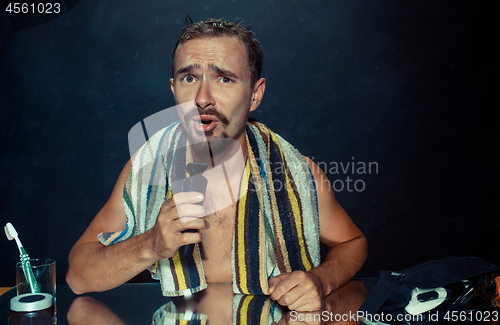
(219, 27)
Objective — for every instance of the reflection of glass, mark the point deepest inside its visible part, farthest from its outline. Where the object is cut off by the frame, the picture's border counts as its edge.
(32, 308)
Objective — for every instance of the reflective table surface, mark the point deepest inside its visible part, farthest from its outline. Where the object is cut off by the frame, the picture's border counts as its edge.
(144, 304)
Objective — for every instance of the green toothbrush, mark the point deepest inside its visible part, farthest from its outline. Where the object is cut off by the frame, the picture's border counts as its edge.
(11, 233)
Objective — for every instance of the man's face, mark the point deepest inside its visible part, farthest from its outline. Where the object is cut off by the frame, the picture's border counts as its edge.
(213, 74)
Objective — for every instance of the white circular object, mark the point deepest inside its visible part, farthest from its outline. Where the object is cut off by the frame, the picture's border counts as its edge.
(31, 302)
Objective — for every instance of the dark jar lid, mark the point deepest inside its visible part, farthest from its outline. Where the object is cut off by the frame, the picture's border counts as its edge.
(31, 302)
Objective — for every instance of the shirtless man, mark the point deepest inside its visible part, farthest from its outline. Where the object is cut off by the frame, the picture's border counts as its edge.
(216, 73)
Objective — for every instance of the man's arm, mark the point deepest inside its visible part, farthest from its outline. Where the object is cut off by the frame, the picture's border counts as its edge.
(95, 267)
(346, 244)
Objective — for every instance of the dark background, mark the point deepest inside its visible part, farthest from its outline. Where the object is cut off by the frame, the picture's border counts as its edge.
(410, 85)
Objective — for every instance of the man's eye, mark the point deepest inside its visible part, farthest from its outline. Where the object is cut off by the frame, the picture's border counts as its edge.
(225, 80)
(188, 79)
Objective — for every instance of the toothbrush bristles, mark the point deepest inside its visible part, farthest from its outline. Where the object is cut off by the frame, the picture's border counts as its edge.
(9, 237)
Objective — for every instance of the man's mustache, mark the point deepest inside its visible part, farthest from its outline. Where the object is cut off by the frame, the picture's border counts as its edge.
(207, 111)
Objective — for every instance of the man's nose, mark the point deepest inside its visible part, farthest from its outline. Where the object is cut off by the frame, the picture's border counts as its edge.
(204, 96)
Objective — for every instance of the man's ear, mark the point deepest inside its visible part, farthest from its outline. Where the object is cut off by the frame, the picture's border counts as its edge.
(258, 93)
(172, 86)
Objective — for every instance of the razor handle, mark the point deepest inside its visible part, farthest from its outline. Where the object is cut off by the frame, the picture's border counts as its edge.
(195, 183)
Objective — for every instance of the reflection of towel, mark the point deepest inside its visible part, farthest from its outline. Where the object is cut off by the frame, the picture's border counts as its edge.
(247, 309)
(250, 309)
(276, 228)
(169, 315)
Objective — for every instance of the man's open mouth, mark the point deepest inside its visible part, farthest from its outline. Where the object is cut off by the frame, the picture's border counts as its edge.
(205, 123)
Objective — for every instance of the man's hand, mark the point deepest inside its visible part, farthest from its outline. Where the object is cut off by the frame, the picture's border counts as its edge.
(95, 267)
(299, 290)
(176, 215)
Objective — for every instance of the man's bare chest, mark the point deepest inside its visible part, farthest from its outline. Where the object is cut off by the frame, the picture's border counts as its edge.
(219, 237)
(216, 247)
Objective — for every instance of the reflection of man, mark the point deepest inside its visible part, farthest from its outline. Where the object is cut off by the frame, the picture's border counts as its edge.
(217, 65)
(218, 305)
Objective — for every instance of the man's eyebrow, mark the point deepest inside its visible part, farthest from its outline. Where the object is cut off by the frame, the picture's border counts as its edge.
(212, 66)
(187, 69)
(223, 72)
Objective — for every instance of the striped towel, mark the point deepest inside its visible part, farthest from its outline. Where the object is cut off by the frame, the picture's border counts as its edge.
(276, 228)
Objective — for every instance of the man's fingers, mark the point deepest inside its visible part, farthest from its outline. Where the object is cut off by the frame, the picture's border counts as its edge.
(196, 223)
(181, 238)
(296, 300)
(190, 238)
(296, 290)
(301, 299)
(182, 206)
(182, 198)
(276, 282)
(188, 212)
(291, 296)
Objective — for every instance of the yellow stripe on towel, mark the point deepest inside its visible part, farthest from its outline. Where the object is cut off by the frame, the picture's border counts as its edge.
(276, 218)
(262, 255)
(179, 272)
(244, 310)
(296, 213)
(241, 233)
(199, 265)
(264, 315)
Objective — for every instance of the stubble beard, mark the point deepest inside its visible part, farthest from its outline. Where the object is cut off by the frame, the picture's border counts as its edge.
(214, 140)
(216, 145)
